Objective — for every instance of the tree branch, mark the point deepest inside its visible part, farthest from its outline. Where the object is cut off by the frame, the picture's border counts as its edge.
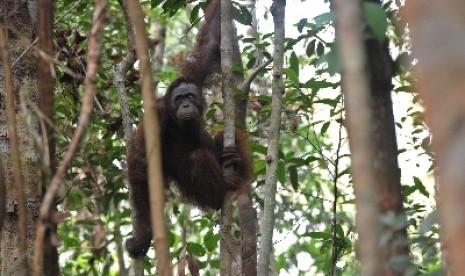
(253, 75)
(152, 143)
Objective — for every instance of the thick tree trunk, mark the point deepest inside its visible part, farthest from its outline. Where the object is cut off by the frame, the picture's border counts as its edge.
(438, 39)
(19, 36)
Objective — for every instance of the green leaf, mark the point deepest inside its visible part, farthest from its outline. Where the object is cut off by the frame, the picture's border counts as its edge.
(339, 231)
(323, 19)
(281, 262)
(320, 49)
(195, 14)
(376, 18)
(297, 162)
(171, 238)
(311, 48)
(292, 76)
(196, 249)
(242, 15)
(293, 177)
(330, 102)
(264, 98)
(259, 167)
(420, 187)
(210, 113)
(325, 127)
(320, 235)
(331, 59)
(294, 64)
(333, 62)
(301, 24)
(211, 241)
(259, 148)
(155, 3)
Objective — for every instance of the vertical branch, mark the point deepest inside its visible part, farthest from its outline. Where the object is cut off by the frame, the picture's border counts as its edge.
(272, 158)
(152, 143)
(227, 73)
(438, 40)
(86, 110)
(121, 70)
(159, 51)
(355, 88)
(247, 212)
(14, 140)
(46, 87)
(46, 75)
(229, 130)
(335, 253)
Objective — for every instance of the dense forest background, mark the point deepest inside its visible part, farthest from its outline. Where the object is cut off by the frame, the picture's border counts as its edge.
(318, 193)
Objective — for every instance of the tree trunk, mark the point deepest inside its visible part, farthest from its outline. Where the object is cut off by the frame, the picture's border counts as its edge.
(20, 28)
(46, 89)
(272, 158)
(359, 121)
(438, 39)
(386, 168)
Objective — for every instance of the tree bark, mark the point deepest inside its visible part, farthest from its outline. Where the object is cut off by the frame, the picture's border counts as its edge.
(278, 12)
(438, 40)
(18, 30)
(386, 167)
(359, 121)
(227, 243)
(152, 143)
(46, 86)
(121, 69)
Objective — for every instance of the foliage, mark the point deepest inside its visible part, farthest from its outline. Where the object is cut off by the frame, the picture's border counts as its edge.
(314, 163)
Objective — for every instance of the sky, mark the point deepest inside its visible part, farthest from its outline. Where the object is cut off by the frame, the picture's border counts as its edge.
(295, 10)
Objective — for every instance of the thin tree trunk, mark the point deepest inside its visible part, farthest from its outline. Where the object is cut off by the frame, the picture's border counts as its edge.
(152, 143)
(46, 86)
(227, 242)
(272, 158)
(386, 167)
(137, 264)
(438, 39)
(358, 113)
(247, 212)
